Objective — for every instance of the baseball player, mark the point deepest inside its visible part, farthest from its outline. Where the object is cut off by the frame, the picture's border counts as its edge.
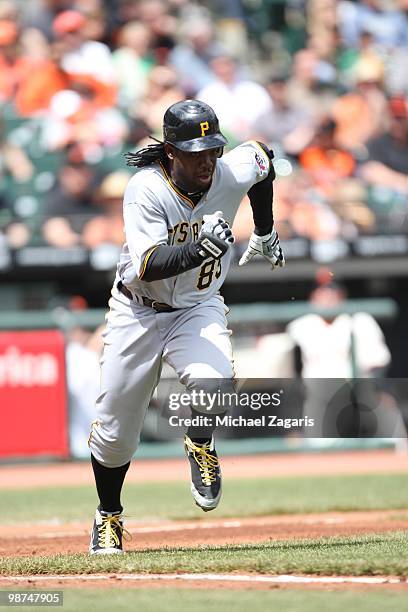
(165, 303)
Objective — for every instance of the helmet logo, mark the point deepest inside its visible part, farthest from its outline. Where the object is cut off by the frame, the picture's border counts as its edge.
(204, 125)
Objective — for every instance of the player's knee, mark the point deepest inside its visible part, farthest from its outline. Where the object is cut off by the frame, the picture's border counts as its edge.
(212, 395)
(112, 457)
(113, 450)
(196, 371)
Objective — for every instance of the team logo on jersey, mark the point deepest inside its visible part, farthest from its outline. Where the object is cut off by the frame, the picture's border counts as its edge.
(204, 125)
(261, 164)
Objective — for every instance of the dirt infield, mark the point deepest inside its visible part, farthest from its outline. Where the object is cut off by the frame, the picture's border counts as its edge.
(250, 466)
(73, 537)
(48, 539)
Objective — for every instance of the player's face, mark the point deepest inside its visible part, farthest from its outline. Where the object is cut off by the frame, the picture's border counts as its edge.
(193, 171)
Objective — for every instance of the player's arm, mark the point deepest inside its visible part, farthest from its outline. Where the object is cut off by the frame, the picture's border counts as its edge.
(166, 261)
(261, 199)
(264, 240)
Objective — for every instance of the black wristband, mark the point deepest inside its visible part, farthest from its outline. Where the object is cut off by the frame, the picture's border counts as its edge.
(211, 246)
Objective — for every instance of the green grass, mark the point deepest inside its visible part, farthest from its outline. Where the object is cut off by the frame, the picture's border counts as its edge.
(381, 554)
(249, 497)
(218, 600)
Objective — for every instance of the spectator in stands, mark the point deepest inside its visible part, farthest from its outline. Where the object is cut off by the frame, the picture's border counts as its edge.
(107, 226)
(191, 57)
(388, 26)
(154, 14)
(287, 124)
(347, 59)
(96, 25)
(361, 113)
(133, 62)
(387, 163)
(77, 115)
(313, 83)
(41, 15)
(28, 75)
(63, 63)
(162, 90)
(69, 205)
(10, 61)
(300, 212)
(308, 213)
(9, 11)
(14, 161)
(86, 61)
(238, 102)
(42, 77)
(349, 202)
(324, 160)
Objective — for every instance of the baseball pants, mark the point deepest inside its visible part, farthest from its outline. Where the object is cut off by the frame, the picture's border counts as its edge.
(194, 341)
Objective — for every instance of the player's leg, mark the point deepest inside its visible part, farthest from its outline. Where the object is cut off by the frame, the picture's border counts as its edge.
(198, 344)
(130, 368)
(199, 349)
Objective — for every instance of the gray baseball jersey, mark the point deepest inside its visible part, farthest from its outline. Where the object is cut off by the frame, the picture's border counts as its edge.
(194, 340)
(156, 213)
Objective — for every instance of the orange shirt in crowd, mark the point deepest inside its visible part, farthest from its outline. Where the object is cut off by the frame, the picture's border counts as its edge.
(41, 81)
(31, 83)
(327, 165)
(358, 118)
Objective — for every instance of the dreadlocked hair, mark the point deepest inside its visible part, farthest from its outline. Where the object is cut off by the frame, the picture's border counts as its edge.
(149, 155)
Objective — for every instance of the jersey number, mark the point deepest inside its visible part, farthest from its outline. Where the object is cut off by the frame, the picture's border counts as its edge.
(208, 271)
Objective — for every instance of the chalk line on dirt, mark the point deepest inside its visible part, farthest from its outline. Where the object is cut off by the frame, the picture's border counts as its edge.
(273, 579)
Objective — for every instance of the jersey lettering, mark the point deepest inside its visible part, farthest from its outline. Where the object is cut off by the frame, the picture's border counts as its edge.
(179, 233)
(183, 231)
(195, 230)
(172, 234)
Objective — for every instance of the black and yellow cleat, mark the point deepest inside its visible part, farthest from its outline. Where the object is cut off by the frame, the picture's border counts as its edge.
(205, 473)
(107, 533)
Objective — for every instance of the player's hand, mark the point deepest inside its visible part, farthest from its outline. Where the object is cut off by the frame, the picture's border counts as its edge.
(215, 236)
(268, 246)
(216, 224)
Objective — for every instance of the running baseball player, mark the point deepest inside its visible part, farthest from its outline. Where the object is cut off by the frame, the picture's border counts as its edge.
(165, 303)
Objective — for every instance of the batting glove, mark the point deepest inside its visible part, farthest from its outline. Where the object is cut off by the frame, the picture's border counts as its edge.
(215, 224)
(215, 236)
(268, 246)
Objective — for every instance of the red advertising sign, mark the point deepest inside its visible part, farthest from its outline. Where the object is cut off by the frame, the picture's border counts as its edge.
(33, 394)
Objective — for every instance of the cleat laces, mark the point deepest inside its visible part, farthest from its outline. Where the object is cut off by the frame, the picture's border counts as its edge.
(207, 463)
(108, 532)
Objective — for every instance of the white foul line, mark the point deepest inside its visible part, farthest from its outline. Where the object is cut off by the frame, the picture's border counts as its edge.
(179, 526)
(275, 579)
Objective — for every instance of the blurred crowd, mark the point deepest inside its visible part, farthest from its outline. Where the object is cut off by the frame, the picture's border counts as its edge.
(323, 82)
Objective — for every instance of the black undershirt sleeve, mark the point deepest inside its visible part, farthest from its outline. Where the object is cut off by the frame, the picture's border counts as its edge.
(167, 261)
(261, 198)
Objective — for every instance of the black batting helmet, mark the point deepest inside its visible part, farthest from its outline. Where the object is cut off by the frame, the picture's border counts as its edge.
(192, 125)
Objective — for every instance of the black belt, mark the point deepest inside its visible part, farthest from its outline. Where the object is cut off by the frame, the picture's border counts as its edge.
(157, 306)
